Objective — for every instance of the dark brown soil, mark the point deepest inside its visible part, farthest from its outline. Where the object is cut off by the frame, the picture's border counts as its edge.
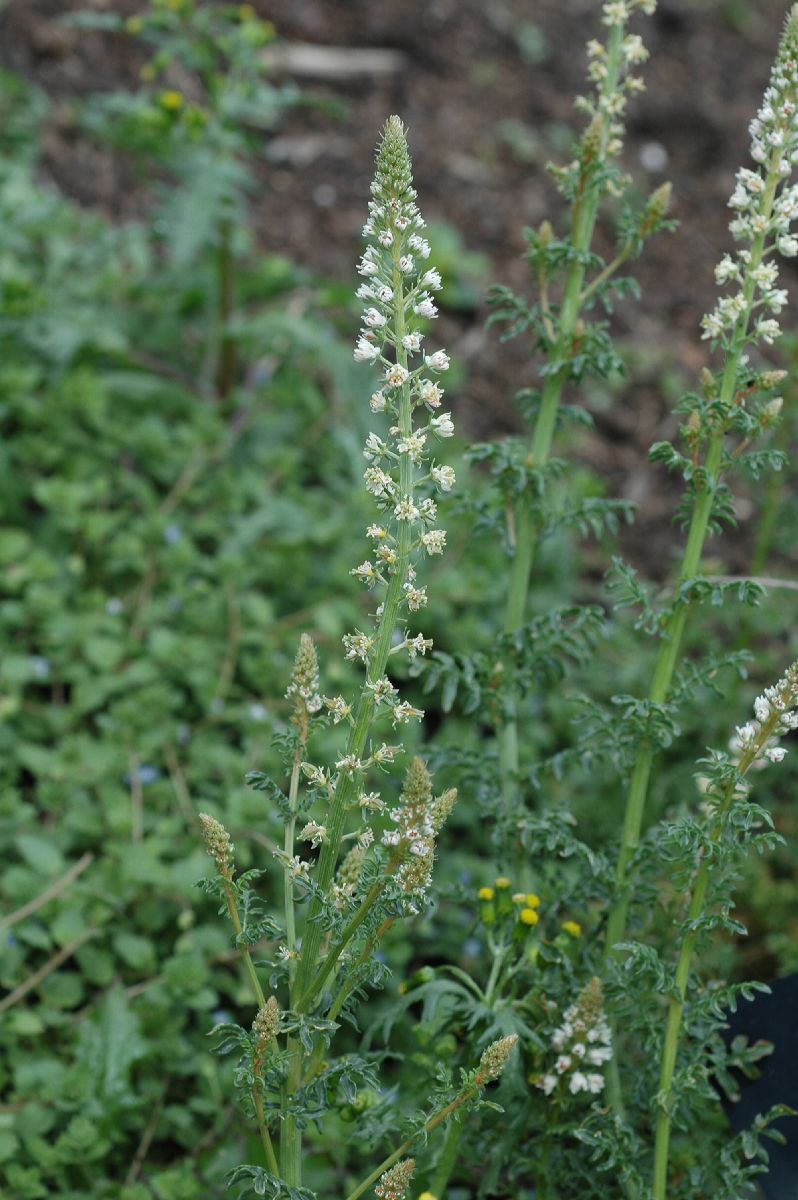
(486, 89)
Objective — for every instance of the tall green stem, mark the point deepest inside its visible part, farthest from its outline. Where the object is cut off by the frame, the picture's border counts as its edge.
(433, 1123)
(345, 793)
(346, 787)
(225, 299)
(670, 644)
(673, 1025)
(583, 220)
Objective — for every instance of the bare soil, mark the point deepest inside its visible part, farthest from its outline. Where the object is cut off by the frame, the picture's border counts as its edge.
(486, 89)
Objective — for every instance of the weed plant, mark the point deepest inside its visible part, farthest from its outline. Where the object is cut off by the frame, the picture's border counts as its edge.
(180, 506)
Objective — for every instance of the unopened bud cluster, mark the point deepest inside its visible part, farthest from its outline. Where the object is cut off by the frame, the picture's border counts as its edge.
(495, 1058)
(304, 686)
(217, 843)
(582, 1043)
(765, 205)
(264, 1028)
(415, 824)
(394, 1184)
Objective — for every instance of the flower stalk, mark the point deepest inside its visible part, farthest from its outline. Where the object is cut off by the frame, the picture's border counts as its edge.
(765, 206)
(601, 142)
(775, 713)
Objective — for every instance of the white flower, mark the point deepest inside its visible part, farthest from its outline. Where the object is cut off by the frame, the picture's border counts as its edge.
(444, 477)
(595, 1082)
(775, 754)
(337, 707)
(365, 351)
(350, 764)
(385, 238)
(443, 425)
(548, 1083)
(371, 802)
(431, 279)
(367, 267)
(425, 308)
(761, 709)
(377, 402)
(418, 645)
(577, 1083)
(374, 447)
(406, 712)
(413, 445)
(382, 689)
(416, 597)
(365, 573)
(357, 645)
(434, 541)
(563, 1063)
(373, 318)
(412, 342)
(396, 375)
(787, 245)
(313, 833)
(439, 361)
(420, 245)
(429, 393)
(405, 263)
(378, 482)
(428, 509)
(406, 510)
(769, 330)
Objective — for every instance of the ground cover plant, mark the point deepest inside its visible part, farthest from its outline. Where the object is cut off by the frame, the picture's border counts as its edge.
(496, 959)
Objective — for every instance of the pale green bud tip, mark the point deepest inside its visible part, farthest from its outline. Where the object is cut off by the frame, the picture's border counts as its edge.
(441, 808)
(658, 204)
(591, 1001)
(771, 379)
(789, 39)
(495, 1058)
(418, 783)
(304, 685)
(266, 1022)
(394, 173)
(393, 1184)
(591, 138)
(217, 842)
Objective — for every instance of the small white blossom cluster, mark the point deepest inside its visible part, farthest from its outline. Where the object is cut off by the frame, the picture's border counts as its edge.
(582, 1043)
(398, 290)
(611, 69)
(304, 686)
(765, 205)
(416, 823)
(775, 713)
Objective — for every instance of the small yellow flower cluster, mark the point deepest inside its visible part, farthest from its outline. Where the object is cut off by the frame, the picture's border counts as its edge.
(520, 909)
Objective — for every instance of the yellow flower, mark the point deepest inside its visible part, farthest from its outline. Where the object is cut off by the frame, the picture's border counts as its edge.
(427, 1196)
(171, 101)
(572, 927)
(502, 883)
(485, 893)
(532, 901)
(528, 916)
(134, 25)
